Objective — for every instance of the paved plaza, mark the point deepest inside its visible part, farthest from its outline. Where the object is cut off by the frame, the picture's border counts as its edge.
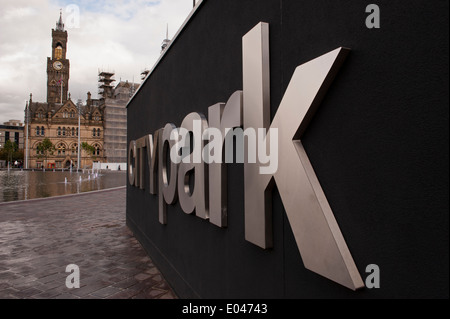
(39, 238)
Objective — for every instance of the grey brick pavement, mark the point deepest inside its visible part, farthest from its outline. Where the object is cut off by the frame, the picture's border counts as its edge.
(39, 238)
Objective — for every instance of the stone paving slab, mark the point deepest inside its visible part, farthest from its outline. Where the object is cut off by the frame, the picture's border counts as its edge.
(39, 238)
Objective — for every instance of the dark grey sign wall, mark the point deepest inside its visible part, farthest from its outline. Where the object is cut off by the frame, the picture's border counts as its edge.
(378, 144)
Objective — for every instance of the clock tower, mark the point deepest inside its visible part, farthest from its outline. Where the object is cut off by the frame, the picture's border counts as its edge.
(58, 66)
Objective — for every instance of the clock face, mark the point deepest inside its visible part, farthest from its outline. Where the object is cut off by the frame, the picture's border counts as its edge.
(57, 65)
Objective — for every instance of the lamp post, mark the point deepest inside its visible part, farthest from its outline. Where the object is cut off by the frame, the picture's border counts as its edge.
(27, 117)
(79, 134)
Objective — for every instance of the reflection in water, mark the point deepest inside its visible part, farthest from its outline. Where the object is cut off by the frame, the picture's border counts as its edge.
(20, 185)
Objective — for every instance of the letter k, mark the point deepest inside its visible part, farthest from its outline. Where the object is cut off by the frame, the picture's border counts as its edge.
(317, 234)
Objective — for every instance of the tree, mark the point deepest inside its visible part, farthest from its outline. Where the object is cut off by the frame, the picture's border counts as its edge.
(45, 147)
(9, 149)
(89, 149)
(18, 155)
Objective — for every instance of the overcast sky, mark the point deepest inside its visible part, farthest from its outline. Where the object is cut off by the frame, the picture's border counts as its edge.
(123, 36)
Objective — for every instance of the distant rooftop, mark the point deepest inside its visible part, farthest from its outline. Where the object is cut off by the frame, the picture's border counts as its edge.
(13, 123)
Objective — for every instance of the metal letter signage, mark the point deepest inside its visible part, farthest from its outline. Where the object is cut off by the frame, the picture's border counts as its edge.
(317, 234)
(319, 239)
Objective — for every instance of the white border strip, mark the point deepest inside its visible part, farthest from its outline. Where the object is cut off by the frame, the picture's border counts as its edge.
(194, 10)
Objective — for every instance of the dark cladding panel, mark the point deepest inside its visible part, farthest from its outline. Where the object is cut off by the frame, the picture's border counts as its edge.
(378, 144)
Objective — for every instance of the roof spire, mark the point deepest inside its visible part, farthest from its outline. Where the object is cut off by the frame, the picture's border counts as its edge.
(60, 24)
(166, 41)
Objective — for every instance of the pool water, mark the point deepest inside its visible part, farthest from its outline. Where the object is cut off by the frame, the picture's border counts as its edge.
(23, 185)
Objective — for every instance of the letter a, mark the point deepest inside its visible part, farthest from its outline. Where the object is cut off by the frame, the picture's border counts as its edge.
(73, 280)
(373, 279)
(373, 19)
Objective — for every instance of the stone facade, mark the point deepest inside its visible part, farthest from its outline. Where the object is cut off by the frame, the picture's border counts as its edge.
(12, 130)
(57, 119)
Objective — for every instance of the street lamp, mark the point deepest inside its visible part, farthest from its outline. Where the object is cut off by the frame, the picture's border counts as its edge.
(27, 117)
(79, 133)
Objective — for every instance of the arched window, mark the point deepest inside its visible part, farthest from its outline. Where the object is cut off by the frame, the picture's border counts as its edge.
(38, 131)
(42, 131)
(94, 131)
(59, 131)
(77, 131)
(72, 114)
(64, 131)
(98, 132)
(74, 149)
(58, 52)
(73, 131)
(97, 149)
(38, 152)
(61, 148)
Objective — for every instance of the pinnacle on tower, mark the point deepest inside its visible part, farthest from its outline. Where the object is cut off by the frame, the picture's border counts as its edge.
(60, 24)
(166, 41)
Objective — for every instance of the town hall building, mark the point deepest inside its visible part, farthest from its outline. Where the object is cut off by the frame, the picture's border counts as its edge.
(57, 118)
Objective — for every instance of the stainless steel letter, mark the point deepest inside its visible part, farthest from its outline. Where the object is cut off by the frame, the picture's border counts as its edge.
(132, 163)
(256, 99)
(319, 239)
(222, 116)
(167, 185)
(152, 158)
(198, 200)
(140, 145)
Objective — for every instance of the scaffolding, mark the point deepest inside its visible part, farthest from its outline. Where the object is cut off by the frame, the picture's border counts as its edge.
(115, 124)
(115, 133)
(105, 87)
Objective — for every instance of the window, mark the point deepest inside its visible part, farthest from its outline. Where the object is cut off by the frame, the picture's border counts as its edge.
(77, 131)
(96, 149)
(61, 148)
(38, 131)
(96, 132)
(73, 131)
(59, 131)
(72, 114)
(42, 131)
(64, 131)
(58, 52)
(74, 149)
(38, 152)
